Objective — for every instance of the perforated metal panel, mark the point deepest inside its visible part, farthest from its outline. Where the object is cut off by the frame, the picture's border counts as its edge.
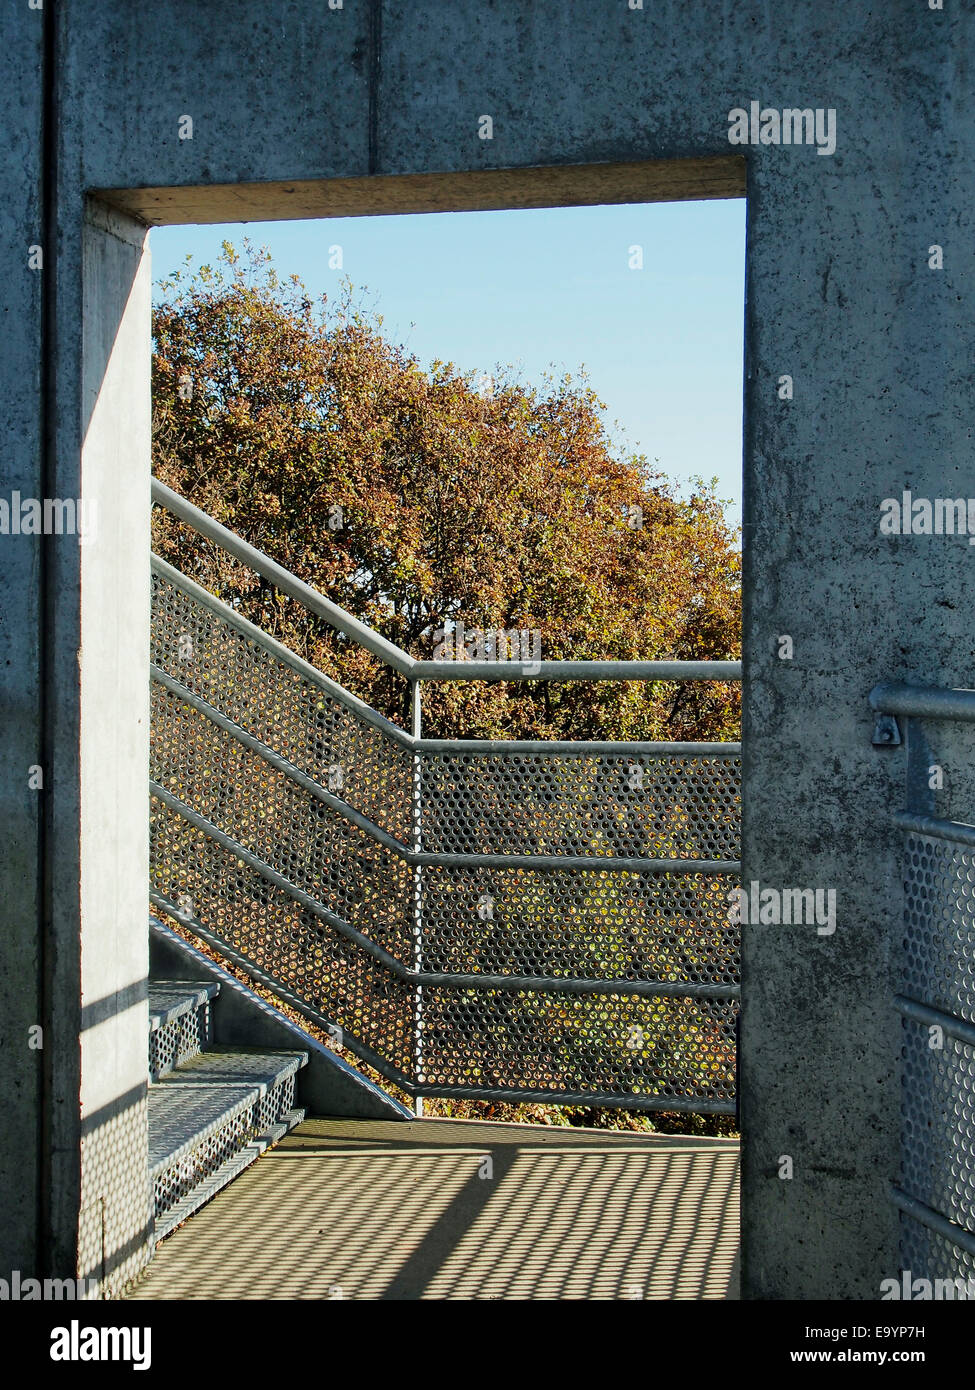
(613, 984)
(178, 1040)
(282, 704)
(221, 1119)
(617, 1049)
(939, 925)
(938, 1068)
(598, 924)
(313, 846)
(625, 804)
(939, 1121)
(199, 880)
(927, 1255)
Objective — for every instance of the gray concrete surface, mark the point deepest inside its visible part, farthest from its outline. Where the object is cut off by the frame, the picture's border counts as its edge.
(839, 296)
(22, 567)
(112, 666)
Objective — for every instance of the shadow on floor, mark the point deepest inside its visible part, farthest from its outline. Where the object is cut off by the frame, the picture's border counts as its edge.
(454, 1209)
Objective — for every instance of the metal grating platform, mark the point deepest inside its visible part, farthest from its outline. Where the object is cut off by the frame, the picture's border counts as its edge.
(461, 1210)
(171, 999)
(225, 1172)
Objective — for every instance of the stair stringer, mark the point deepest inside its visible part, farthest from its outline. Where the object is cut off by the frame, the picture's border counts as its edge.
(327, 1086)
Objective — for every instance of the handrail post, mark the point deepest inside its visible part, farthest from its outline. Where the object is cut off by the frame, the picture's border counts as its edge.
(416, 838)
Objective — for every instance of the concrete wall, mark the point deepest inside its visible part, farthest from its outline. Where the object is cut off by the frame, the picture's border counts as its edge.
(287, 95)
(113, 665)
(21, 599)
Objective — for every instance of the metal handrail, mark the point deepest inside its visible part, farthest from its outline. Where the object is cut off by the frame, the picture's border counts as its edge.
(280, 764)
(564, 984)
(923, 701)
(959, 1028)
(279, 651)
(413, 973)
(444, 859)
(936, 827)
(401, 661)
(595, 670)
(281, 578)
(577, 749)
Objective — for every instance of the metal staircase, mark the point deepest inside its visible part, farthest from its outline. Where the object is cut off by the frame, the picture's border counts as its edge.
(212, 1111)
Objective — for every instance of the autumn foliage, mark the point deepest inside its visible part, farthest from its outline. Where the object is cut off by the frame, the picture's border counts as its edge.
(415, 498)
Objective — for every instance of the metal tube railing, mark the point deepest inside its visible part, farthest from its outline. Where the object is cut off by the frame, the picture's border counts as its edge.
(279, 651)
(923, 701)
(951, 1024)
(468, 797)
(281, 578)
(934, 1220)
(958, 832)
(578, 749)
(577, 670)
(411, 853)
(401, 661)
(416, 728)
(553, 984)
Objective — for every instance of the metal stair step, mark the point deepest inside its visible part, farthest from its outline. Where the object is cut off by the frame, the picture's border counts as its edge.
(179, 1022)
(212, 1117)
(169, 999)
(231, 1168)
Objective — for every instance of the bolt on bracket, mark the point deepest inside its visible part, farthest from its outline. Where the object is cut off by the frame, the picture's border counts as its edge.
(886, 733)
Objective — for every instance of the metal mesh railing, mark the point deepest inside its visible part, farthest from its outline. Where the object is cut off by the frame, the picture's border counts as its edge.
(318, 728)
(938, 1057)
(628, 804)
(281, 822)
(935, 1191)
(286, 941)
(532, 921)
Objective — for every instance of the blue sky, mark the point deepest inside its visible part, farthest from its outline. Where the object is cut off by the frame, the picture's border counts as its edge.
(551, 290)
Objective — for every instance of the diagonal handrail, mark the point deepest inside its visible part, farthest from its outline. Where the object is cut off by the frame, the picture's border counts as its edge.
(281, 578)
(560, 984)
(401, 661)
(278, 650)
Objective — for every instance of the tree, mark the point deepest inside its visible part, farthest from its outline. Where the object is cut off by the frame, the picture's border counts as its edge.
(418, 500)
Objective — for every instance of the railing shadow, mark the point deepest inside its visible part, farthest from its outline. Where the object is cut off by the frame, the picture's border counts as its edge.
(453, 1210)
